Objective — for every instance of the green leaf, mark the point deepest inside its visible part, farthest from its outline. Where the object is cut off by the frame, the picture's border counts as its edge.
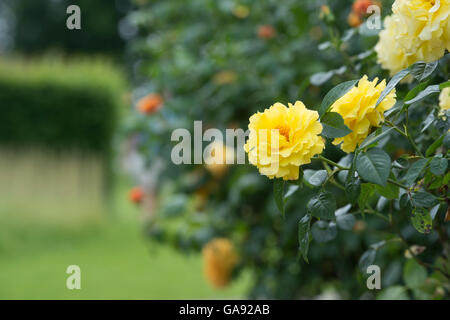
(391, 85)
(319, 78)
(436, 144)
(390, 191)
(334, 94)
(414, 171)
(415, 91)
(373, 137)
(291, 190)
(315, 178)
(333, 125)
(374, 166)
(423, 199)
(322, 205)
(438, 165)
(367, 190)
(422, 70)
(345, 221)
(393, 293)
(323, 231)
(352, 189)
(414, 274)
(278, 193)
(421, 220)
(304, 236)
(425, 93)
(444, 85)
(367, 259)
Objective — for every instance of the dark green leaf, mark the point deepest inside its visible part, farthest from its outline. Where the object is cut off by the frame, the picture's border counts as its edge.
(436, 144)
(345, 221)
(373, 137)
(278, 193)
(391, 85)
(414, 274)
(423, 94)
(304, 236)
(333, 125)
(438, 165)
(334, 94)
(414, 171)
(423, 199)
(367, 259)
(390, 191)
(422, 70)
(374, 166)
(367, 190)
(315, 178)
(323, 231)
(322, 205)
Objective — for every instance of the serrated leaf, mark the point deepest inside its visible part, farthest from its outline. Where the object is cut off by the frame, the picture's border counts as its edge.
(414, 171)
(438, 165)
(334, 94)
(278, 193)
(390, 191)
(436, 144)
(304, 236)
(423, 94)
(391, 84)
(373, 137)
(333, 125)
(367, 190)
(323, 231)
(315, 178)
(374, 166)
(322, 205)
(422, 70)
(423, 199)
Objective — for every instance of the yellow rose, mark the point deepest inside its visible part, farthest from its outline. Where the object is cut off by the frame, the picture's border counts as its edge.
(217, 160)
(444, 99)
(418, 30)
(282, 139)
(219, 259)
(357, 108)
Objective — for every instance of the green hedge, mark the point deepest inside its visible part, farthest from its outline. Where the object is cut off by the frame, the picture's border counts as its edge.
(59, 104)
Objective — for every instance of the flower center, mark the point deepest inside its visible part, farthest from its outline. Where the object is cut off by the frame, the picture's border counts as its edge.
(284, 131)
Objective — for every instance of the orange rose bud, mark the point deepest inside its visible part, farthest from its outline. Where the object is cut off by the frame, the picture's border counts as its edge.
(354, 20)
(360, 7)
(136, 195)
(150, 103)
(266, 31)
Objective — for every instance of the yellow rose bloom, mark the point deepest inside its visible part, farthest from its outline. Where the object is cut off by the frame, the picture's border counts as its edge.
(219, 259)
(216, 162)
(444, 99)
(298, 132)
(418, 30)
(357, 108)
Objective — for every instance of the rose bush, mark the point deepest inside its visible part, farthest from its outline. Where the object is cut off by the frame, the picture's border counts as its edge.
(361, 167)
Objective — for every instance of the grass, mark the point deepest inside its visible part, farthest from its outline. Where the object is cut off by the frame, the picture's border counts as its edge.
(40, 239)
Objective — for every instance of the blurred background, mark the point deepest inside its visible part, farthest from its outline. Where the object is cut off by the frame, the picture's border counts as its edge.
(85, 123)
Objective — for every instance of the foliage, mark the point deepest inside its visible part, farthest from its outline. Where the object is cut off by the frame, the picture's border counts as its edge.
(346, 211)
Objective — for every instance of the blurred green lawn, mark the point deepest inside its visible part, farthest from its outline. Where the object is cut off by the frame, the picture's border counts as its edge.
(116, 260)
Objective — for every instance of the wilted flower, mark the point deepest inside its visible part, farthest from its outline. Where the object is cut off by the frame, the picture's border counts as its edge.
(150, 103)
(357, 108)
(219, 260)
(296, 141)
(444, 99)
